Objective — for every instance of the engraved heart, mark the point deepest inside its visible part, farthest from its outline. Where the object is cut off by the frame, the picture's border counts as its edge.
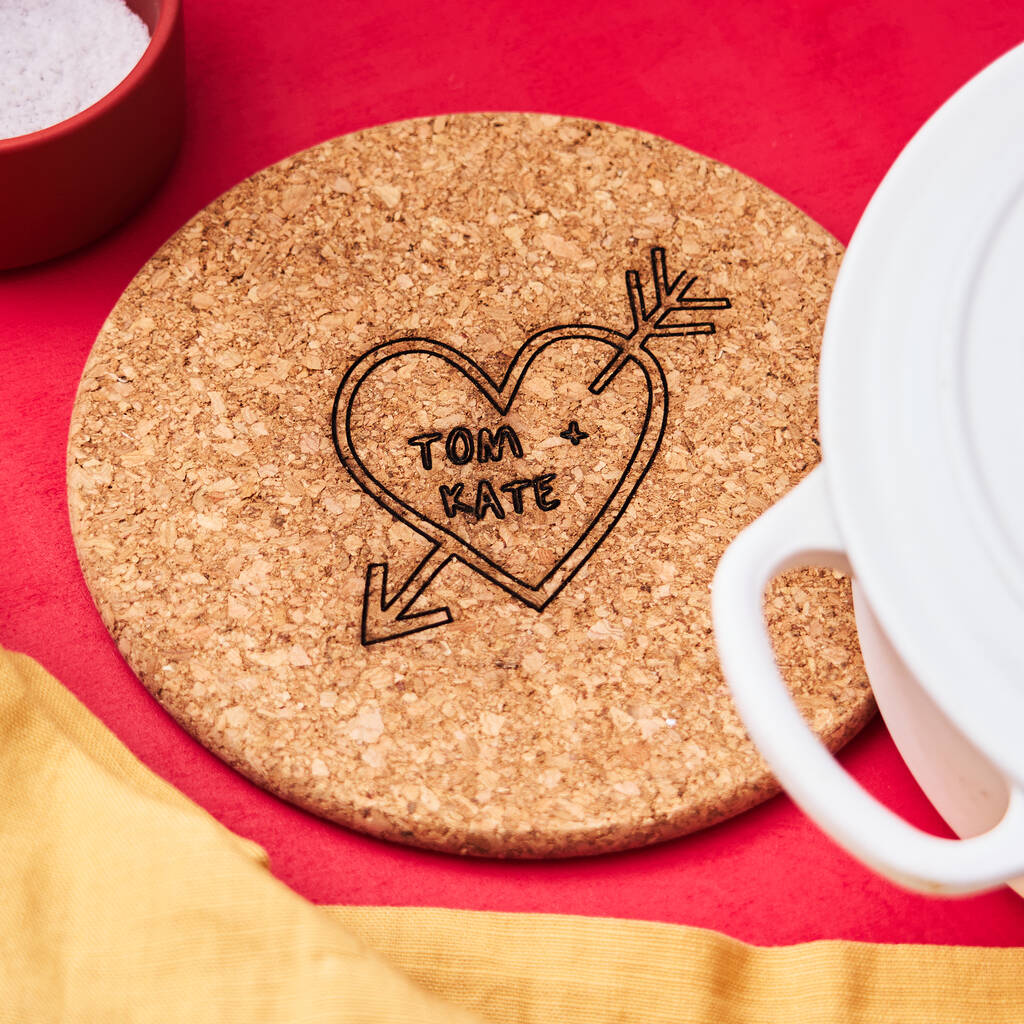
(519, 479)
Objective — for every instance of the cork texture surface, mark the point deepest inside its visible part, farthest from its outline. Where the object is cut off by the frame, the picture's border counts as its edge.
(401, 472)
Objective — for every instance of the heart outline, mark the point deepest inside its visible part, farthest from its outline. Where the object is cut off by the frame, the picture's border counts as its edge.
(501, 397)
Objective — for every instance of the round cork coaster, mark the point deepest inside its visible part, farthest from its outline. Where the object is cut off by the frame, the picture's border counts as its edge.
(400, 474)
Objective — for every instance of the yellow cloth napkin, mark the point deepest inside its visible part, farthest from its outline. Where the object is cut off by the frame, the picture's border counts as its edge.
(120, 900)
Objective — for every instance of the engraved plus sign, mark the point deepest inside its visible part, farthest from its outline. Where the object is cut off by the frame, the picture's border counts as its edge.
(573, 433)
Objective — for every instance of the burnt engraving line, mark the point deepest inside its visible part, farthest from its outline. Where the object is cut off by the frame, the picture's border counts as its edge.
(641, 460)
(535, 595)
(384, 617)
(669, 298)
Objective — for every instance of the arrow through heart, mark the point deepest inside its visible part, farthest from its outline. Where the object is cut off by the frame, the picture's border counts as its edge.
(520, 479)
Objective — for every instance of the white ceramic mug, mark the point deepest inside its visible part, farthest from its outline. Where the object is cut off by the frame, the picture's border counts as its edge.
(801, 531)
(921, 496)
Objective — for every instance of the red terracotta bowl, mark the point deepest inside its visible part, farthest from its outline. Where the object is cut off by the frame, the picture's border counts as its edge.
(66, 185)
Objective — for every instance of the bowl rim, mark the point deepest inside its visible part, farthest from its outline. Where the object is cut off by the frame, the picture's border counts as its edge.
(170, 11)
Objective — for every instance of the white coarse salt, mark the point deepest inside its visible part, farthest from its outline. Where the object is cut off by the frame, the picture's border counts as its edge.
(58, 57)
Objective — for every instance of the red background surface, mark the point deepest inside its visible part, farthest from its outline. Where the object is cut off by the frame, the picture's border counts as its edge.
(815, 99)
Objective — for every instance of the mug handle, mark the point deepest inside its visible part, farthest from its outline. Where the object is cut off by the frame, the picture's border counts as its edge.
(800, 530)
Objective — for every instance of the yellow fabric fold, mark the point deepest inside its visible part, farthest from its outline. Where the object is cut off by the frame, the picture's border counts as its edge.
(556, 969)
(120, 900)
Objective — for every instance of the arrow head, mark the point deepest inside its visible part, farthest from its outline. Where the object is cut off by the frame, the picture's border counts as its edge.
(388, 619)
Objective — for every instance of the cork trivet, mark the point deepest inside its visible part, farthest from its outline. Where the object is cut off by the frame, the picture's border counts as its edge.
(401, 472)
